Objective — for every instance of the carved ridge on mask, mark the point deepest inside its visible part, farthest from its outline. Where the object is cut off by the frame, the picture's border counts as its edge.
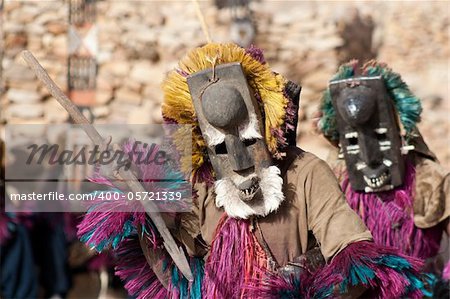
(372, 114)
(368, 133)
(242, 162)
(268, 88)
(407, 105)
(213, 136)
(250, 128)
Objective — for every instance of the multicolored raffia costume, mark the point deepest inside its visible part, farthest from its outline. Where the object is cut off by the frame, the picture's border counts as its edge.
(413, 216)
(274, 225)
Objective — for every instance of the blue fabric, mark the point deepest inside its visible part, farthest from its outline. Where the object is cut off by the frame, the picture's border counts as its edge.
(50, 248)
(18, 277)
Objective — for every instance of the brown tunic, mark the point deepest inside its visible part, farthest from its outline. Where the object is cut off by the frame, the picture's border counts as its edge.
(314, 212)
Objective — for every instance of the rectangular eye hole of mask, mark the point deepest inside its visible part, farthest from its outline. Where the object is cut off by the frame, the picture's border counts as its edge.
(351, 135)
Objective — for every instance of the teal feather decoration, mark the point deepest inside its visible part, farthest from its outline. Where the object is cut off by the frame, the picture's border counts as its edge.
(181, 288)
(407, 105)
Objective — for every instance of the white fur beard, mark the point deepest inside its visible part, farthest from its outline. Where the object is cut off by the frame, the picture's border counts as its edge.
(271, 184)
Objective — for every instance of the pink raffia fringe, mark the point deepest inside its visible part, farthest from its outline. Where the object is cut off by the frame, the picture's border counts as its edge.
(236, 259)
(389, 217)
(108, 223)
(381, 270)
(378, 271)
(446, 272)
(133, 269)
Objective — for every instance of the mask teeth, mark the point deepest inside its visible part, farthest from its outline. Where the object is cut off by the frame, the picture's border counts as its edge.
(248, 192)
(376, 182)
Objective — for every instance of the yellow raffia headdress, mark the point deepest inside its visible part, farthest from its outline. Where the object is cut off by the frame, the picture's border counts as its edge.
(178, 108)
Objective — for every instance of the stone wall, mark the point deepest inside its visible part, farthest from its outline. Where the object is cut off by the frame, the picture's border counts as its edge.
(140, 41)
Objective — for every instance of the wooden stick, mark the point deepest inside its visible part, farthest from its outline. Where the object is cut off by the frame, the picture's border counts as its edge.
(176, 253)
(202, 20)
(59, 95)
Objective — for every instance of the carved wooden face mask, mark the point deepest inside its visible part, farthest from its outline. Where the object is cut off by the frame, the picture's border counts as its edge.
(369, 135)
(231, 125)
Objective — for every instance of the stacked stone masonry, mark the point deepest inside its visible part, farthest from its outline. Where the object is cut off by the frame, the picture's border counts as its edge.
(140, 41)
